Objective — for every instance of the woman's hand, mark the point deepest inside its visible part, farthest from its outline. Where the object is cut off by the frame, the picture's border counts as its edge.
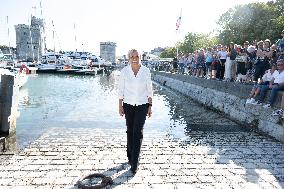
(149, 113)
(121, 110)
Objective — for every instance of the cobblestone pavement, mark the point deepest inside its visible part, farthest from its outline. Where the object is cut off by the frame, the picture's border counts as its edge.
(60, 157)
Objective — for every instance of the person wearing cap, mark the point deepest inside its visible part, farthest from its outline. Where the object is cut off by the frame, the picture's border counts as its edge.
(280, 46)
(135, 102)
(275, 85)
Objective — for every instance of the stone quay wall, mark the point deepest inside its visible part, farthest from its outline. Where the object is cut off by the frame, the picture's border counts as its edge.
(228, 98)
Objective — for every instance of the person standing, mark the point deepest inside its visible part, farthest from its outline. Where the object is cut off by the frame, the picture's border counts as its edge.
(135, 102)
(280, 45)
(222, 54)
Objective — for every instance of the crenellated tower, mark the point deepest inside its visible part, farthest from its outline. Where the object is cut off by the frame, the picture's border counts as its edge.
(107, 51)
(30, 40)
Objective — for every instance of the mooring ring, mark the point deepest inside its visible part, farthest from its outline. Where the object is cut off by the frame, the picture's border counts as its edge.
(105, 181)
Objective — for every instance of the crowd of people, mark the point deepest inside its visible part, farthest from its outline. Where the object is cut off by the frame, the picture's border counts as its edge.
(259, 62)
(232, 62)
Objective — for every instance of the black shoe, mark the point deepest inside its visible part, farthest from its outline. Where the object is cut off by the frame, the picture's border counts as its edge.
(129, 163)
(133, 171)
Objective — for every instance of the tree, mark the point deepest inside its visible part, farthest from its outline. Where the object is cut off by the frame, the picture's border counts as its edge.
(195, 41)
(169, 52)
(251, 21)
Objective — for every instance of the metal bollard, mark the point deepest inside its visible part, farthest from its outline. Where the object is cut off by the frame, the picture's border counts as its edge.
(9, 91)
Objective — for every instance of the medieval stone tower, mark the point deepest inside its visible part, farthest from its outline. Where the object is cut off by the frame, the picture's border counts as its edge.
(107, 51)
(30, 39)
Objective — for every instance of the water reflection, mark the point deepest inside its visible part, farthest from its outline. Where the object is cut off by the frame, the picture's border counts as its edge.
(91, 101)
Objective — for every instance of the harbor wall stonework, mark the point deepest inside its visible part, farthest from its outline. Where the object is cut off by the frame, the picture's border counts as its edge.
(228, 98)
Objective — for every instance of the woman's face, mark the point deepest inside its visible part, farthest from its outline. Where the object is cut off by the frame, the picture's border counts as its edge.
(134, 57)
(266, 44)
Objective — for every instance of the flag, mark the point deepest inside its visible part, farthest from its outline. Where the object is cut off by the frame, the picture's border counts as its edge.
(178, 23)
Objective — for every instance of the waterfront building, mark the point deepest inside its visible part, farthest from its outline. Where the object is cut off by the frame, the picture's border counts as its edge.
(107, 51)
(157, 51)
(30, 42)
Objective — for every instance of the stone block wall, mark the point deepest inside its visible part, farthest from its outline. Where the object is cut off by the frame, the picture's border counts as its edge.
(228, 98)
(107, 51)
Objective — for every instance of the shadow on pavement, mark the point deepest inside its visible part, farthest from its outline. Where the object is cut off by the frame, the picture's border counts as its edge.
(119, 174)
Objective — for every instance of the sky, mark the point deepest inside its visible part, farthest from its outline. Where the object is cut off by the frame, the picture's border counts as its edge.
(139, 24)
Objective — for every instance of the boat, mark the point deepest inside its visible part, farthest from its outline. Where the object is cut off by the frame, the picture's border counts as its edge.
(97, 61)
(66, 69)
(6, 60)
(87, 71)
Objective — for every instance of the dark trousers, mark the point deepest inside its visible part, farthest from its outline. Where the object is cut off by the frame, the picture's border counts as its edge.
(273, 93)
(260, 69)
(221, 69)
(135, 119)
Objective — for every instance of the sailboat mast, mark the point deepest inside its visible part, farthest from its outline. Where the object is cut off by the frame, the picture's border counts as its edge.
(40, 9)
(75, 38)
(31, 39)
(8, 35)
(53, 36)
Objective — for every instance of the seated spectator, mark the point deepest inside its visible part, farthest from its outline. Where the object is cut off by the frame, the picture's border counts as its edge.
(267, 77)
(275, 85)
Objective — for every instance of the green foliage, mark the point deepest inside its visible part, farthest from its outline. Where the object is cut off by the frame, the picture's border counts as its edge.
(252, 21)
(4, 47)
(194, 41)
(169, 52)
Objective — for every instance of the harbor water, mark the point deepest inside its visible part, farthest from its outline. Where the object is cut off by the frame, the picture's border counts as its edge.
(66, 101)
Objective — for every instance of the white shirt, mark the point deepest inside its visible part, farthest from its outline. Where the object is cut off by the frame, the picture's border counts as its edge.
(279, 78)
(223, 54)
(268, 76)
(135, 90)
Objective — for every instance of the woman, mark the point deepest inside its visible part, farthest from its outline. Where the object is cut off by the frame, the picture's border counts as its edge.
(135, 101)
(222, 57)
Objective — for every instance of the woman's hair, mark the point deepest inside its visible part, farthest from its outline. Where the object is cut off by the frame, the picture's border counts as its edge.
(131, 51)
(267, 40)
